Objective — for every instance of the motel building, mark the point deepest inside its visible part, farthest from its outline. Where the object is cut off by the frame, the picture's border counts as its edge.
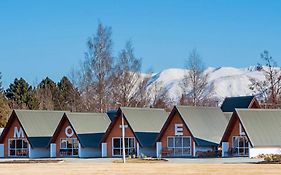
(141, 125)
(251, 132)
(79, 135)
(28, 133)
(230, 103)
(191, 132)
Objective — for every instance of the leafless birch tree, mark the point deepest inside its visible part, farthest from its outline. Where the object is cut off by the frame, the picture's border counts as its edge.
(195, 83)
(270, 89)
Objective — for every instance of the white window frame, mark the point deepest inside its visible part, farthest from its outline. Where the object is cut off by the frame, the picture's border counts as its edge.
(183, 147)
(126, 146)
(241, 130)
(244, 147)
(72, 148)
(16, 149)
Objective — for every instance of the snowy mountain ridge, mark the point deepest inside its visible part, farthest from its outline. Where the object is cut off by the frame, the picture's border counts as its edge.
(227, 81)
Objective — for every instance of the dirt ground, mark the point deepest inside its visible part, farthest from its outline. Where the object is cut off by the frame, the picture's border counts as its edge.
(66, 168)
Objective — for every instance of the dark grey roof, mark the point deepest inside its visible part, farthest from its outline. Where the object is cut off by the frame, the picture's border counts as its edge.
(262, 126)
(206, 124)
(90, 127)
(203, 143)
(39, 142)
(147, 138)
(230, 103)
(90, 140)
(145, 122)
(111, 114)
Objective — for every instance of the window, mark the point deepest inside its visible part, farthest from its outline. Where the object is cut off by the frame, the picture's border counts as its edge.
(240, 145)
(180, 145)
(69, 147)
(18, 148)
(117, 146)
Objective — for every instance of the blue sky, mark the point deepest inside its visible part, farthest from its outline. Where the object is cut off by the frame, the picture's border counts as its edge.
(48, 38)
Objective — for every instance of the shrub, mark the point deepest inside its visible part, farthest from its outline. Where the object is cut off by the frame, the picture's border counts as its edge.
(270, 158)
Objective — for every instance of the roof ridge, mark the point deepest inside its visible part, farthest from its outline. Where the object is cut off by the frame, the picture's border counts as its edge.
(241, 96)
(86, 113)
(145, 108)
(28, 110)
(256, 109)
(210, 107)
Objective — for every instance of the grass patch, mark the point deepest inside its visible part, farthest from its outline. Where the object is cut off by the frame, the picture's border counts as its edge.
(29, 161)
(270, 158)
(141, 160)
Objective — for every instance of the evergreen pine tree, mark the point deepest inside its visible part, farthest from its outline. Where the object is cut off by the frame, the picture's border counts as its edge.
(21, 95)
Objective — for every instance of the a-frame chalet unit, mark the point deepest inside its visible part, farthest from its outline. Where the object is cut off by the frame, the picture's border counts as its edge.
(191, 132)
(251, 132)
(230, 103)
(142, 126)
(79, 135)
(28, 133)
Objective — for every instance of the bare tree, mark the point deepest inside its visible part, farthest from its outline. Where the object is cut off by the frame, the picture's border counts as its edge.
(1, 86)
(126, 75)
(195, 83)
(98, 67)
(269, 89)
(4, 107)
(159, 95)
(140, 95)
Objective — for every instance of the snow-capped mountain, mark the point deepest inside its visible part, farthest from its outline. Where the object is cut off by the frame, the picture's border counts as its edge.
(227, 81)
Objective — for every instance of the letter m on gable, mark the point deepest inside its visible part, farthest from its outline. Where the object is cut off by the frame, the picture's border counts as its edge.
(18, 133)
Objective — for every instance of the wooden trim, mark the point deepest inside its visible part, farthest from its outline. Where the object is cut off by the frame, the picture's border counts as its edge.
(109, 128)
(170, 118)
(7, 128)
(118, 114)
(230, 126)
(59, 127)
(254, 101)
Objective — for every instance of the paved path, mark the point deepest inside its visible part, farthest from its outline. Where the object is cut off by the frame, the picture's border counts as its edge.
(235, 160)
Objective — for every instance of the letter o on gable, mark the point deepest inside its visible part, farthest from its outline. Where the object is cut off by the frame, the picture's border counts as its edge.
(67, 133)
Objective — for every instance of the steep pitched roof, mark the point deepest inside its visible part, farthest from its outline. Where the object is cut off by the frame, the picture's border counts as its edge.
(206, 124)
(262, 126)
(146, 123)
(145, 119)
(230, 103)
(89, 127)
(39, 125)
(228, 115)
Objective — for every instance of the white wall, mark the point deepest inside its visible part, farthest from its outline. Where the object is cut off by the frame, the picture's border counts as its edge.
(158, 149)
(254, 152)
(90, 152)
(138, 149)
(225, 148)
(104, 149)
(39, 152)
(1, 150)
(53, 150)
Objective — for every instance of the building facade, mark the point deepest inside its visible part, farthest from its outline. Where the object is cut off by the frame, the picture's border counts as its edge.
(191, 132)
